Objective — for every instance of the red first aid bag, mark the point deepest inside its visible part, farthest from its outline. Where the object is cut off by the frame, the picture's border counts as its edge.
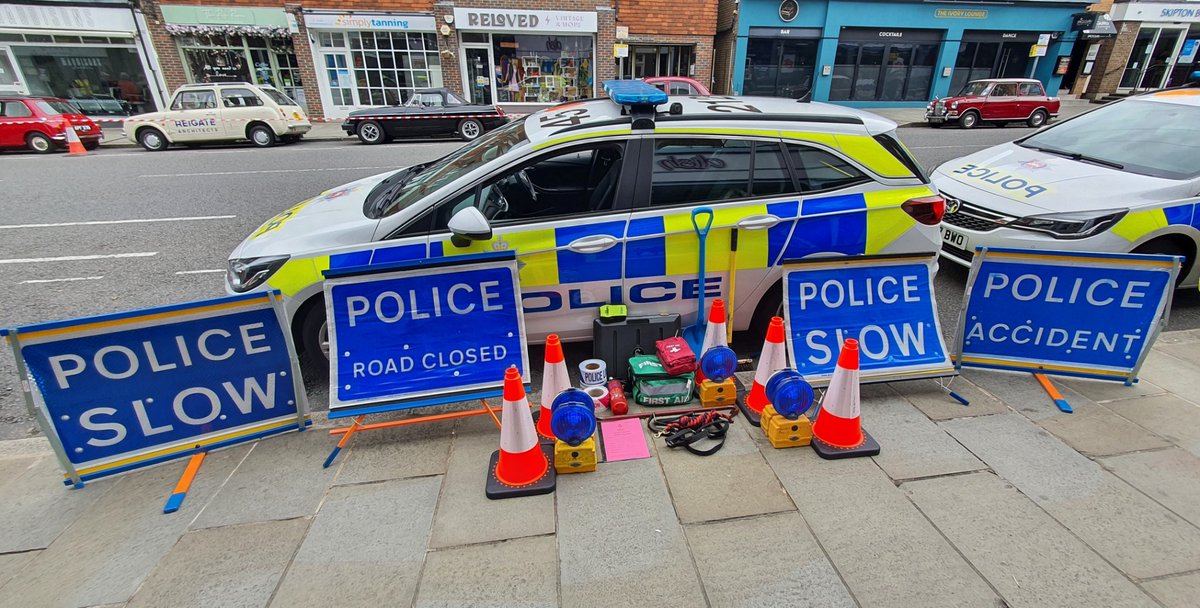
(675, 355)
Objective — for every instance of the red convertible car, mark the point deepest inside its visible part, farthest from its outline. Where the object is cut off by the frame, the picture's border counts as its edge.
(998, 101)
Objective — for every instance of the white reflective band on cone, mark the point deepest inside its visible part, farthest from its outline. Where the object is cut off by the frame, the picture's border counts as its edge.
(517, 433)
(554, 381)
(714, 335)
(773, 359)
(841, 397)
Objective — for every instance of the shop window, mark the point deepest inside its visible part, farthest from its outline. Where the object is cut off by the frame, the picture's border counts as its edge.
(578, 181)
(239, 98)
(649, 61)
(195, 100)
(67, 40)
(5, 37)
(700, 170)
(818, 170)
(390, 66)
(16, 109)
(237, 58)
(100, 80)
(874, 71)
(38, 38)
(530, 68)
(780, 67)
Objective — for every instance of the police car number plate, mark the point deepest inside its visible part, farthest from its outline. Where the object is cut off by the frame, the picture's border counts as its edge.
(955, 239)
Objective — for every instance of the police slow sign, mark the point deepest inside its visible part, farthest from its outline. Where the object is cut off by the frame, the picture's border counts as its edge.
(423, 333)
(884, 302)
(126, 390)
(1079, 314)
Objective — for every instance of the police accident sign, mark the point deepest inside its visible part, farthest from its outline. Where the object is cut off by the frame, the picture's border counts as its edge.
(422, 333)
(1078, 314)
(884, 302)
(126, 390)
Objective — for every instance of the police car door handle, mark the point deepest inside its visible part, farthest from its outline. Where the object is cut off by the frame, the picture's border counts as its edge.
(758, 222)
(592, 244)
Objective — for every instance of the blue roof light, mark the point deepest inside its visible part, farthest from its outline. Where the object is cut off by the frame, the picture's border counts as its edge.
(634, 92)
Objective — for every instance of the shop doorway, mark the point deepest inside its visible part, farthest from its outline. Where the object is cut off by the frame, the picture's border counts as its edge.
(779, 67)
(991, 55)
(341, 83)
(10, 79)
(478, 80)
(1153, 55)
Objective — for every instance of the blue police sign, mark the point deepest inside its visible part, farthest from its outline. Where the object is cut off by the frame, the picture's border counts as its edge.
(884, 302)
(126, 390)
(422, 333)
(1069, 313)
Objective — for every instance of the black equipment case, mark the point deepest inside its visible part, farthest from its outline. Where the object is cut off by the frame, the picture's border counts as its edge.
(616, 341)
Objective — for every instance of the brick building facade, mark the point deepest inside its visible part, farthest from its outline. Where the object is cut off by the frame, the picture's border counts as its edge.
(670, 38)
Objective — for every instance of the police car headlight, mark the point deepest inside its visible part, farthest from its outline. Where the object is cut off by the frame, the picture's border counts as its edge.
(1074, 225)
(247, 273)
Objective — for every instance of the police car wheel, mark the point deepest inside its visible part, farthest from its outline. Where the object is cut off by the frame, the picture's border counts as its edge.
(314, 335)
(968, 120)
(1168, 246)
(771, 305)
(371, 132)
(470, 129)
(1036, 119)
(39, 143)
(261, 136)
(153, 140)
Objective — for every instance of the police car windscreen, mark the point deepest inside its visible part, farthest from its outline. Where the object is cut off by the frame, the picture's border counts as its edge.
(1145, 137)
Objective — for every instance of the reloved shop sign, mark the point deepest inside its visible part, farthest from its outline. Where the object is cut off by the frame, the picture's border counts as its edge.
(500, 20)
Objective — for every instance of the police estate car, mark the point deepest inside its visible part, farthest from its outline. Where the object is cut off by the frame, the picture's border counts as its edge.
(1122, 178)
(596, 199)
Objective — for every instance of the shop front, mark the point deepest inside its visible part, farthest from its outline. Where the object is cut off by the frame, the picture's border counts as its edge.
(235, 44)
(92, 56)
(511, 56)
(372, 59)
(652, 60)
(875, 53)
(1164, 53)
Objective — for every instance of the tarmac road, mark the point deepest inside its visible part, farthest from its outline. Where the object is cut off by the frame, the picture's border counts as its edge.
(122, 228)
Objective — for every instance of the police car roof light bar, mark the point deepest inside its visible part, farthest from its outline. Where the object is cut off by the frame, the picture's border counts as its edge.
(634, 93)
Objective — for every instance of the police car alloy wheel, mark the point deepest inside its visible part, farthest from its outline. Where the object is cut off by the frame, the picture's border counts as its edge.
(262, 136)
(152, 140)
(470, 129)
(371, 132)
(39, 143)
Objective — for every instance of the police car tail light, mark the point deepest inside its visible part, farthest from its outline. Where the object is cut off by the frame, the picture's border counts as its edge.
(927, 210)
(247, 273)
(1073, 225)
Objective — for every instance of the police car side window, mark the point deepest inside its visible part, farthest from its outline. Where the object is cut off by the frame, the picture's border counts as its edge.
(687, 170)
(240, 98)
(818, 170)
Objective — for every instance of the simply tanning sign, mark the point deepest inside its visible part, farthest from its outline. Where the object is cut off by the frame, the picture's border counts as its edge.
(1069, 313)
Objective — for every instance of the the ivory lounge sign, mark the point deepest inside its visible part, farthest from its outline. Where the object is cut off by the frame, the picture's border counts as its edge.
(502, 20)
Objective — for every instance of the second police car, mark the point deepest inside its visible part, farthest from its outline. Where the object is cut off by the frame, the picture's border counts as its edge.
(1122, 178)
(596, 199)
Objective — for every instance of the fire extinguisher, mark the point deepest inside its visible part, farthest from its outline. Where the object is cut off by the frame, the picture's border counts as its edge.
(616, 398)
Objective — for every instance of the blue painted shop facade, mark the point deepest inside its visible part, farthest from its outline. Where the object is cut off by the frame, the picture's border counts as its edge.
(896, 53)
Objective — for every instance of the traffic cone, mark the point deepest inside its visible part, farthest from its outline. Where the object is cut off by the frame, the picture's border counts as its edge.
(74, 146)
(521, 467)
(714, 333)
(554, 381)
(838, 432)
(773, 358)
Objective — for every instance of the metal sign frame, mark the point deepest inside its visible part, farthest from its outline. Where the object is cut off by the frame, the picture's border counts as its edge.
(22, 337)
(1086, 259)
(941, 370)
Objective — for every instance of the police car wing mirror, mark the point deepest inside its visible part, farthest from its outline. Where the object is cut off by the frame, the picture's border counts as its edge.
(468, 225)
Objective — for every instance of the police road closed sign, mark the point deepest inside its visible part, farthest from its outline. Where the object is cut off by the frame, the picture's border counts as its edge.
(884, 302)
(423, 333)
(1078, 314)
(127, 390)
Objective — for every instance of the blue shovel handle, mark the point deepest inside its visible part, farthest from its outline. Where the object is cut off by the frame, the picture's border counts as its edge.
(698, 211)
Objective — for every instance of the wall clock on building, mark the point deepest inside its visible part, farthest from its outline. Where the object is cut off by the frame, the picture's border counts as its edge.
(788, 9)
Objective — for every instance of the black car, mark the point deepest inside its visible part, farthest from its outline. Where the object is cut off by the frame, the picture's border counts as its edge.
(430, 112)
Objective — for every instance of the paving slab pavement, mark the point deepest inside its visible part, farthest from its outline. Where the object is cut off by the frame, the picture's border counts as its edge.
(1094, 504)
(766, 561)
(233, 567)
(1005, 502)
(1027, 556)
(365, 547)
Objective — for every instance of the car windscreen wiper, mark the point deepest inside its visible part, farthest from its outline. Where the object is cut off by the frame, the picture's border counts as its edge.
(388, 188)
(1076, 156)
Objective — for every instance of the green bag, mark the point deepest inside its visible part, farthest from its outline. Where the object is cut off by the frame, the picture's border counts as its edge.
(652, 385)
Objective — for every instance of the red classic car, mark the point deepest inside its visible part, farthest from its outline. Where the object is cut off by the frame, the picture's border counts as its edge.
(40, 124)
(998, 101)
